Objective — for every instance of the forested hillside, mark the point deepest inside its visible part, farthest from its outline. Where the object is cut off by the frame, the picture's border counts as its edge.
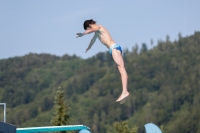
(163, 83)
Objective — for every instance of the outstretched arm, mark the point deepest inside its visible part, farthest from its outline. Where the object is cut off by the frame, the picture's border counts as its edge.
(88, 31)
(91, 30)
(92, 42)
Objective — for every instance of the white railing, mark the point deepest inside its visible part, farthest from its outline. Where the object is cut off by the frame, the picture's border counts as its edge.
(4, 105)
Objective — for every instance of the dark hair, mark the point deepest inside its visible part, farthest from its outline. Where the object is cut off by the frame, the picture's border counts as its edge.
(87, 23)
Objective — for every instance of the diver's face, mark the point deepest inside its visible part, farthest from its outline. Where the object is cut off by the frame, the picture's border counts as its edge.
(88, 28)
(91, 26)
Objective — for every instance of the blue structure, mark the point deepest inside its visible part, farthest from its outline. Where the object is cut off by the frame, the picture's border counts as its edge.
(84, 131)
(152, 128)
(7, 128)
(53, 129)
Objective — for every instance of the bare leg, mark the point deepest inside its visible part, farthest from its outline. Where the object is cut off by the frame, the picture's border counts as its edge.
(117, 56)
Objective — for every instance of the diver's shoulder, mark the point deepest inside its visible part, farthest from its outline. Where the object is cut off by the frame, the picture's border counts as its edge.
(102, 28)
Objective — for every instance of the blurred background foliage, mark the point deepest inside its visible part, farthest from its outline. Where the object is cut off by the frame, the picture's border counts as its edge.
(163, 83)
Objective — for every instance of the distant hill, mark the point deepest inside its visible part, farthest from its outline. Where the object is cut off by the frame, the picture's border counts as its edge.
(163, 81)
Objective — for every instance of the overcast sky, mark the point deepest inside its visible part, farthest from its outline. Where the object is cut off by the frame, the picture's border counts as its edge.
(50, 26)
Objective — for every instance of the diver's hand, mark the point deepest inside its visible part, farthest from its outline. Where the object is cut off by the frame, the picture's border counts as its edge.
(79, 35)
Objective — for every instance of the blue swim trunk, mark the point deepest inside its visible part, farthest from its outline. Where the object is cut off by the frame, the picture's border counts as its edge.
(115, 46)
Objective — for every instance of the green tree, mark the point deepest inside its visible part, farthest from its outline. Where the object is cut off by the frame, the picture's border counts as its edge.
(61, 111)
(144, 48)
(122, 127)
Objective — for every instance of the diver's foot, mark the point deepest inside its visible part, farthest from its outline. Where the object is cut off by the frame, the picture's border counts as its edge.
(124, 100)
(122, 97)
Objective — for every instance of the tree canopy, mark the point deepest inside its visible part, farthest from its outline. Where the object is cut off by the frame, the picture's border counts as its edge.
(163, 84)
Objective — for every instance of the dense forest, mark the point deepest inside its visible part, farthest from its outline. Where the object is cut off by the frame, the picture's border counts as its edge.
(164, 85)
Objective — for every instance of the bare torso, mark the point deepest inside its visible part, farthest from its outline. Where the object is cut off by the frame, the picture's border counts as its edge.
(104, 37)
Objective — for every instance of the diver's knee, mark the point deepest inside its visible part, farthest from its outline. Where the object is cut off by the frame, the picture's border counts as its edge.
(121, 69)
